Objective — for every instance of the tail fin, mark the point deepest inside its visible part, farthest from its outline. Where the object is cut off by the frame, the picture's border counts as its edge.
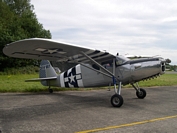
(46, 71)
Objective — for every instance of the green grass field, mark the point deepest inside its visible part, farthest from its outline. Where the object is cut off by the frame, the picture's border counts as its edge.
(15, 83)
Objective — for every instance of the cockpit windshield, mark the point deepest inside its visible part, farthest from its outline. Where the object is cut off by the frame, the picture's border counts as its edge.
(121, 60)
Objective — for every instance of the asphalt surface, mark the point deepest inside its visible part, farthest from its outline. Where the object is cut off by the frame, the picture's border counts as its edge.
(89, 111)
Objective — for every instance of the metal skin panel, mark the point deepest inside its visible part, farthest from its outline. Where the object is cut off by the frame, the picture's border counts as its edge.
(92, 78)
(124, 73)
(80, 76)
(147, 69)
(131, 73)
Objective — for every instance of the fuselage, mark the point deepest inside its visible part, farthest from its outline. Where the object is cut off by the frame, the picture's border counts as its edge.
(140, 69)
(126, 71)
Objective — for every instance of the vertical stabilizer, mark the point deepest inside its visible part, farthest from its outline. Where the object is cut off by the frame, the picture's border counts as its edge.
(46, 70)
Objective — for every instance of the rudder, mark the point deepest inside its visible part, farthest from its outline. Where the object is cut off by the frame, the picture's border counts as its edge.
(46, 70)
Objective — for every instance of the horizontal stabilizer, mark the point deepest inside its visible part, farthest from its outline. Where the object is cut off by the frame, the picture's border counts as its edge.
(40, 79)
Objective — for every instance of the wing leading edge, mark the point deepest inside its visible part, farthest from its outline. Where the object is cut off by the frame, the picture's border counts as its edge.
(47, 49)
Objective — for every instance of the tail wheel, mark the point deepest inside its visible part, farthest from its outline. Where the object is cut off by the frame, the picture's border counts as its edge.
(50, 90)
(141, 93)
(117, 100)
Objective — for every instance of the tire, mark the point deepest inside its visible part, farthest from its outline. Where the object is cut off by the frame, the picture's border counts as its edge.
(50, 91)
(117, 100)
(141, 94)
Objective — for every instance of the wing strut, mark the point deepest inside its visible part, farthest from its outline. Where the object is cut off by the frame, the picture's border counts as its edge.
(96, 70)
(116, 99)
(107, 71)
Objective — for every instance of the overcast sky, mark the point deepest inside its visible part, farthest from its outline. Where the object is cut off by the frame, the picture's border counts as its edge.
(134, 27)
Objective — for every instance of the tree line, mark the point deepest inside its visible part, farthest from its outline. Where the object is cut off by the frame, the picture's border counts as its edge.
(18, 21)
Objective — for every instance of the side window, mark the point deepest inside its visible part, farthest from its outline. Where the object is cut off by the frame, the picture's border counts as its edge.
(107, 64)
(119, 62)
(96, 67)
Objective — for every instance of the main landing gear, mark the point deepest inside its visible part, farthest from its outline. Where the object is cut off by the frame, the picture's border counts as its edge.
(117, 99)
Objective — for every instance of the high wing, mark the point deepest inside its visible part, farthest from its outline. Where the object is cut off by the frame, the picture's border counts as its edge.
(47, 49)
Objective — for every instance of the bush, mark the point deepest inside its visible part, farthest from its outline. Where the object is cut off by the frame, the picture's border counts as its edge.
(20, 70)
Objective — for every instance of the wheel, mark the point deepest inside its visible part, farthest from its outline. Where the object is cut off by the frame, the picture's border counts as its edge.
(117, 100)
(141, 93)
(50, 90)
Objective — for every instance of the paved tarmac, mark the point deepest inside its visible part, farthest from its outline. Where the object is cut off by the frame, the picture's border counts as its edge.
(89, 111)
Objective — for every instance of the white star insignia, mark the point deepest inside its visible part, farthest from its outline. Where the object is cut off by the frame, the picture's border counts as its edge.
(71, 78)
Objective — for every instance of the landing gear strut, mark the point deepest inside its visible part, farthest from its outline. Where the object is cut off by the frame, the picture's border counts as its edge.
(140, 93)
(117, 99)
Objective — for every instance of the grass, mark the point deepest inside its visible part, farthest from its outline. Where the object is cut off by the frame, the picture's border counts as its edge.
(15, 83)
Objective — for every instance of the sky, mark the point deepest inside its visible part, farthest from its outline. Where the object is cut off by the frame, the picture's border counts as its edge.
(127, 27)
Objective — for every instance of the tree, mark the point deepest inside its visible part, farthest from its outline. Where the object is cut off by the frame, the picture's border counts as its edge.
(18, 21)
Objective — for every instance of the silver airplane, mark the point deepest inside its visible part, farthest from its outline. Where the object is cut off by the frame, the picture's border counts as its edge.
(94, 68)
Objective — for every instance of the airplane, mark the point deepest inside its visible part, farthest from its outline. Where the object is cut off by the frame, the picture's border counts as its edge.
(93, 68)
